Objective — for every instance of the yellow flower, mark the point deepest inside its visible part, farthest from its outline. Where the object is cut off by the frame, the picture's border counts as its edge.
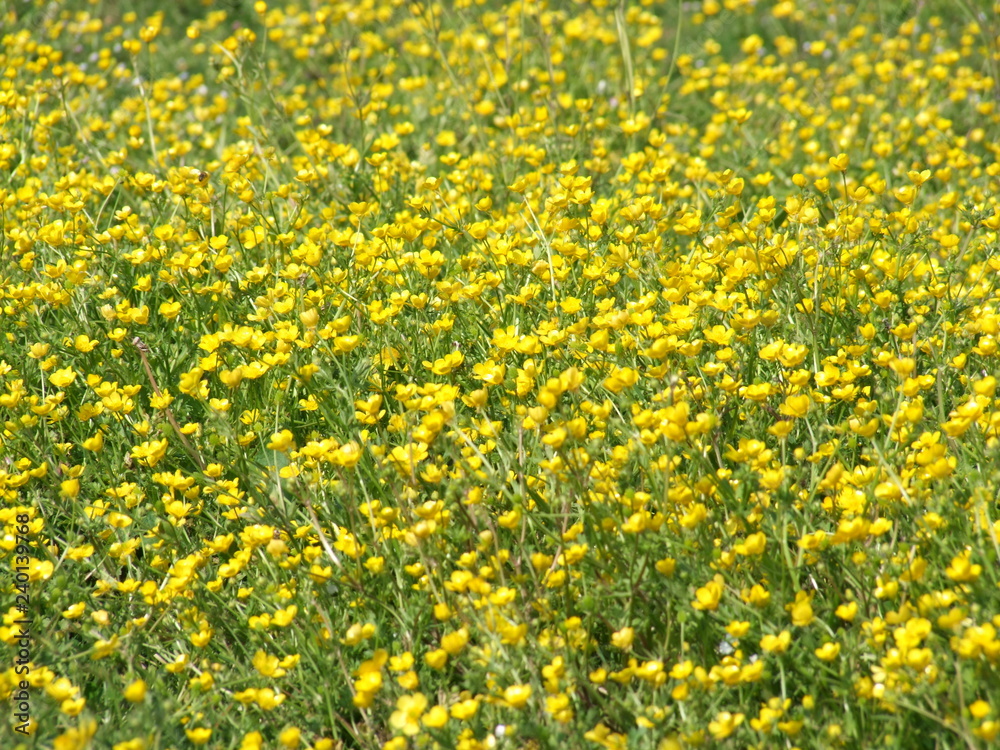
(620, 379)
(801, 609)
(74, 611)
(401, 663)
(738, 629)
(408, 680)
(436, 718)
(135, 692)
(666, 566)
(77, 738)
(828, 651)
(707, 597)
(724, 724)
(199, 736)
(558, 706)
(840, 162)
(777, 644)
(267, 664)
(346, 344)
(753, 545)
(464, 710)
(796, 405)
(962, 570)
(406, 717)
(436, 659)
(281, 441)
(356, 633)
(511, 519)
(758, 596)
(847, 611)
(517, 696)
(290, 738)
(454, 642)
(446, 364)
(62, 378)
(979, 709)
(268, 699)
(988, 730)
(623, 638)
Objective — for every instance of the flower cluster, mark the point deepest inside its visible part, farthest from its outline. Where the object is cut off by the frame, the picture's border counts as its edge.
(483, 374)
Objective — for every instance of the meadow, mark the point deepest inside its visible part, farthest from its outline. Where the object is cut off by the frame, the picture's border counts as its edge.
(392, 374)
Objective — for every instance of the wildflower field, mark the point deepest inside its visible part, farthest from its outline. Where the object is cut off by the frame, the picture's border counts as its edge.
(391, 374)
